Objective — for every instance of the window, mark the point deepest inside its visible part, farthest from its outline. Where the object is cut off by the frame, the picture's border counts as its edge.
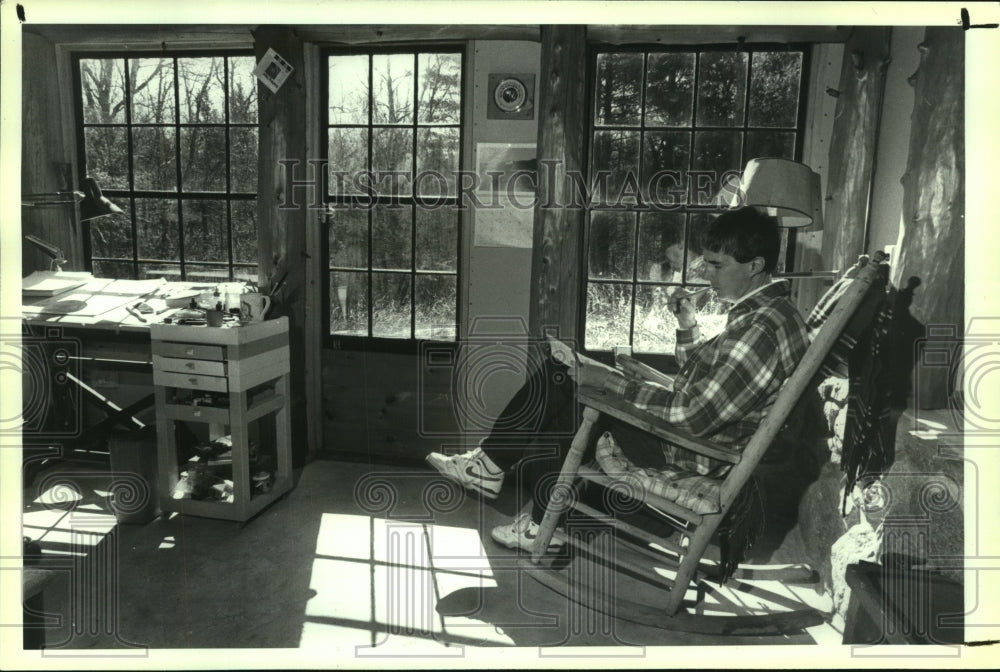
(667, 128)
(394, 137)
(172, 140)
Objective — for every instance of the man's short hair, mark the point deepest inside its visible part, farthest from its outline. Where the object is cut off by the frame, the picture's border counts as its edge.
(743, 234)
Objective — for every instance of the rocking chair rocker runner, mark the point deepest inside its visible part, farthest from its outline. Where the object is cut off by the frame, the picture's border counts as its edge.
(691, 557)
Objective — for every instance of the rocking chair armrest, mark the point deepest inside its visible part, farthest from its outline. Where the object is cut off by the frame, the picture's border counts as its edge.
(620, 409)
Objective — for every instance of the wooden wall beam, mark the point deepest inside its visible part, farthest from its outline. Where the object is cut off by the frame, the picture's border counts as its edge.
(932, 248)
(282, 226)
(853, 146)
(557, 259)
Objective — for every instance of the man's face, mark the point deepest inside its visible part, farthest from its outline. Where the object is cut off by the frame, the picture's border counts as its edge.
(728, 277)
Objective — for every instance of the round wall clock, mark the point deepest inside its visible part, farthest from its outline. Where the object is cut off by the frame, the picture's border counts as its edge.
(510, 94)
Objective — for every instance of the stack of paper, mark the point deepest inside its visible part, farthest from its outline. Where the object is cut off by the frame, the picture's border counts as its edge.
(49, 283)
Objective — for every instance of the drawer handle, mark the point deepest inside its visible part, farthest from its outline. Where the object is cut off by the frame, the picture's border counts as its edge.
(189, 352)
(190, 365)
(197, 414)
(194, 381)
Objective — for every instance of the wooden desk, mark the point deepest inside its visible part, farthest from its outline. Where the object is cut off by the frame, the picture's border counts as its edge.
(91, 328)
(102, 304)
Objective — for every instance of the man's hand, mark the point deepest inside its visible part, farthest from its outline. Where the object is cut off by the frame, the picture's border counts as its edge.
(587, 375)
(683, 308)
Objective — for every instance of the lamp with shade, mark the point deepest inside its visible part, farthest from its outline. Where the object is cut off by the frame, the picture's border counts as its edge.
(787, 190)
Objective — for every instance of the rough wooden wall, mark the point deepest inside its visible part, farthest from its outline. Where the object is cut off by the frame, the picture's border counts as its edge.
(45, 163)
(282, 229)
(853, 145)
(932, 248)
(557, 258)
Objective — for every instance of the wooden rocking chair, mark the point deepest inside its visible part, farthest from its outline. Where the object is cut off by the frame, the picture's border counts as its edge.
(692, 558)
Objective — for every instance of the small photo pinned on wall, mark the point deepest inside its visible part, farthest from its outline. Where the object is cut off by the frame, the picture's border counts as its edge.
(273, 70)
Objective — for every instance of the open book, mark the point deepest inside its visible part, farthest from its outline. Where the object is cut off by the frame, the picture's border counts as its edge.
(632, 368)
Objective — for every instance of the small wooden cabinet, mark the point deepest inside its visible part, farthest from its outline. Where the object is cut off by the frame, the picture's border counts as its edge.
(230, 384)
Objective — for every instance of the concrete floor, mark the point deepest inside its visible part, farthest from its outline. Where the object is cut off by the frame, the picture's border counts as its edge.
(357, 560)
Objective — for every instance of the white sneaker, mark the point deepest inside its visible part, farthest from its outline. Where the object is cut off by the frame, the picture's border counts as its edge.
(473, 470)
(522, 534)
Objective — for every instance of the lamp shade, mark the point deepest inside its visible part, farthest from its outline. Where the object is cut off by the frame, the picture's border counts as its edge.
(785, 189)
(95, 204)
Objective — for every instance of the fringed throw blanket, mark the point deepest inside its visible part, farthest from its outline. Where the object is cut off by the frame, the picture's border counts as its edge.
(867, 444)
(700, 493)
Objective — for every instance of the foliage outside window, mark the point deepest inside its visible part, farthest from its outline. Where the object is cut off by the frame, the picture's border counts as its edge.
(667, 128)
(393, 124)
(172, 140)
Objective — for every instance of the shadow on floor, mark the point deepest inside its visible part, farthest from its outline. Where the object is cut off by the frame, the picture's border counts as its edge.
(357, 559)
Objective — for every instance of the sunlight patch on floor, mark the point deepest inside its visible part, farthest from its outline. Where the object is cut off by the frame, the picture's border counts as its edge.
(377, 582)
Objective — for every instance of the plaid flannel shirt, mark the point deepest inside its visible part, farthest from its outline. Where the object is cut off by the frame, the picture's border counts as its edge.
(728, 383)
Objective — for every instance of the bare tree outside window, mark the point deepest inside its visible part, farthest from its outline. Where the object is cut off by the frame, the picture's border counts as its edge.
(393, 150)
(667, 126)
(172, 140)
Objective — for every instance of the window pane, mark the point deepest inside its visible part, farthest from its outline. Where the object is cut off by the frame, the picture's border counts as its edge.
(206, 274)
(392, 152)
(391, 305)
(152, 81)
(349, 303)
(171, 272)
(619, 89)
(202, 90)
(348, 90)
(440, 85)
(391, 242)
(243, 159)
(776, 144)
(695, 273)
(436, 299)
(113, 269)
(664, 166)
(655, 324)
(111, 236)
(348, 238)
(107, 156)
(437, 239)
(722, 80)
(670, 89)
(612, 237)
(661, 246)
(242, 90)
(774, 88)
(245, 231)
(206, 235)
(715, 153)
(154, 163)
(203, 159)
(102, 82)
(156, 225)
(348, 153)
(609, 306)
(245, 273)
(392, 79)
(618, 153)
(437, 154)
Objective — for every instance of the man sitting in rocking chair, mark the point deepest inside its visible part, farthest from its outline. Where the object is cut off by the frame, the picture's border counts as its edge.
(724, 387)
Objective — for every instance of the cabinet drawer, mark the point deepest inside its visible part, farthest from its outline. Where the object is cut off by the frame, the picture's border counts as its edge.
(200, 366)
(189, 350)
(190, 381)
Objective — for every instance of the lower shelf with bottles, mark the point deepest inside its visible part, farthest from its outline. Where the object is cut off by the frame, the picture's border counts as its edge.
(223, 443)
